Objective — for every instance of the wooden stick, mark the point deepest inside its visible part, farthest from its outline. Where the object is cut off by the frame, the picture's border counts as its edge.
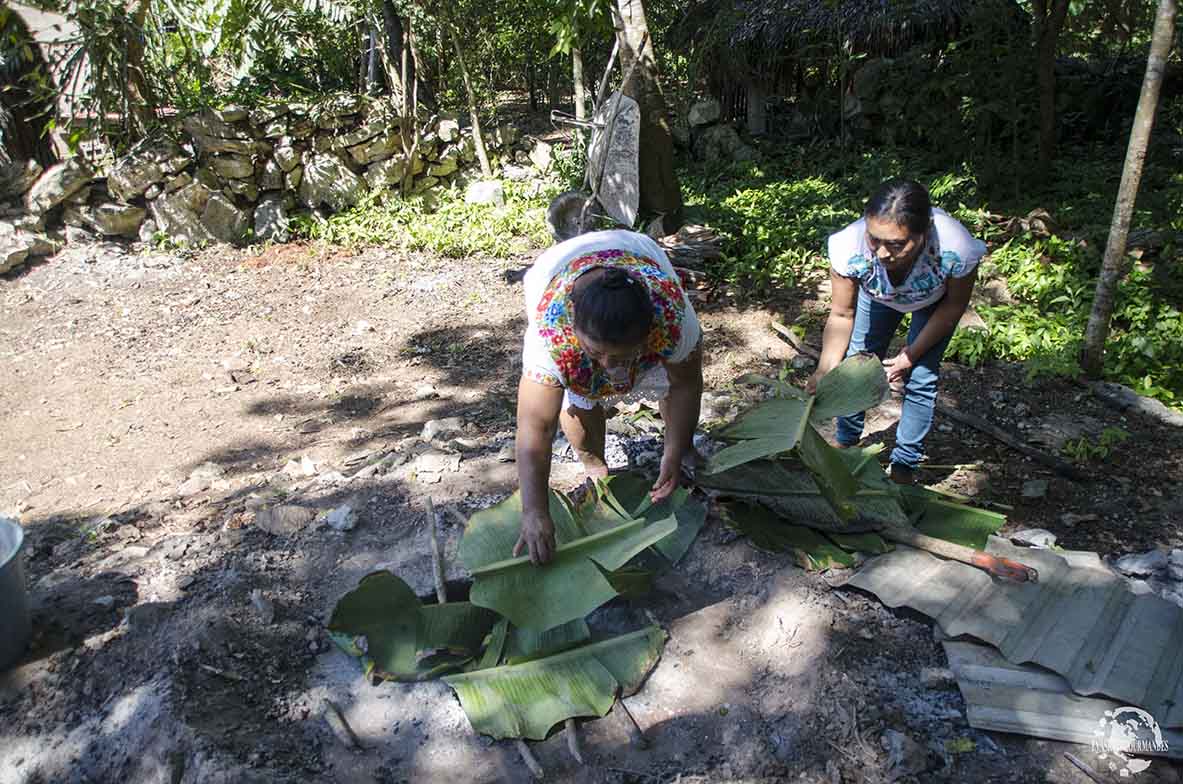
(796, 342)
(992, 564)
(952, 467)
(635, 736)
(437, 557)
(965, 499)
(340, 727)
(1061, 467)
(573, 741)
(1080, 765)
(529, 758)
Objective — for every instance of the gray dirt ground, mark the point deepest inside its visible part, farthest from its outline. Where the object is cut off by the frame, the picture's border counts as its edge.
(157, 405)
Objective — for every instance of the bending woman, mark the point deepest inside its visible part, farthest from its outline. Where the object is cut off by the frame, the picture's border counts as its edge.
(607, 317)
(902, 256)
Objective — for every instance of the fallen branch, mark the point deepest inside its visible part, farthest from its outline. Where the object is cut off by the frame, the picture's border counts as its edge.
(340, 727)
(1061, 467)
(573, 741)
(791, 337)
(953, 467)
(529, 758)
(1080, 765)
(635, 736)
(437, 557)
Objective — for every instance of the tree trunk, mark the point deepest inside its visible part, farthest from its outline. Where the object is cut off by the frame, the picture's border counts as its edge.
(577, 75)
(141, 100)
(532, 80)
(392, 33)
(372, 62)
(660, 192)
(1049, 21)
(1114, 264)
(477, 138)
(757, 111)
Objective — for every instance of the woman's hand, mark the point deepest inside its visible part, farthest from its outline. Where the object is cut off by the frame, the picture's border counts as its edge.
(667, 478)
(537, 536)
(898, 367)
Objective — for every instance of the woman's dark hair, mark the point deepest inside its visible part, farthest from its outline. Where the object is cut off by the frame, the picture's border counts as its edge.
(904, 203)
(612, 307)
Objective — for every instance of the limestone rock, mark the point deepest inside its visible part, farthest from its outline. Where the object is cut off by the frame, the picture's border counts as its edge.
(271, 220)
(448, 130)
(132, 175)
(722, 143)
(177, 215)
(1142, 564)
(506, 135)
(287, 157)
(147, 231)
(705, 113)
(293, 178)
(57, 184)
(358, 136)
(17, 177)
(377, 149)
(233, 167)
(448, 163)
(116, 220)
(247, 189)
(214, 135)
(271, 178)
(487, 192)
(231, 114)
(178, 182)
(424, 184)
(328, 181)
(387, 173)
(224, 220)
(14, 251)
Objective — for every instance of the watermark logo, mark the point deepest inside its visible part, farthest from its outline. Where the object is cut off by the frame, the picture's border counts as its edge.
(1123, 733)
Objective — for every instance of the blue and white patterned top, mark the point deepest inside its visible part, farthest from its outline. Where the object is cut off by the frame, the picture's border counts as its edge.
(950, 252)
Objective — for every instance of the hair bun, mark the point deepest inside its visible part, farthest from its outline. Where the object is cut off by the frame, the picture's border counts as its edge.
(616, 279)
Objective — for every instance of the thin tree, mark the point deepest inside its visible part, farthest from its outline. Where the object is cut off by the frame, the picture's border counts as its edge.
(477, 138)
(1049, 16)
(577, 76)
(1113, 266)
(660, 192)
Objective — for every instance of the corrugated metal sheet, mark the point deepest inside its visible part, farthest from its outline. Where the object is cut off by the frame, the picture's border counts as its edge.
(1083, 623)
(1030, 700)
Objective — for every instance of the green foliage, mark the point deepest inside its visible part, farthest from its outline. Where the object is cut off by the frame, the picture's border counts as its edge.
(774, 217)
(449, 227)
(1083, 450)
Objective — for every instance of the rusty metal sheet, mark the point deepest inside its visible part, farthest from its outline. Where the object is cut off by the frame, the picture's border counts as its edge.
(1082, 623)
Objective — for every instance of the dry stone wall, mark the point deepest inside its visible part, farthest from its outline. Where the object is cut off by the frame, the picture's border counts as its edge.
(237, 175)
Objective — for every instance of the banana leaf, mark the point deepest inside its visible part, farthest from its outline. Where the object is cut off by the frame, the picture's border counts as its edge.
(527, 700)
(869, 542)
(781, 417)
(746, 452)
(570, 586)
(399, 638)
(856, 384)
(494, 646)
(770, 533)
(629, 492)
(523, 645)
(834, 479)
(952, 522)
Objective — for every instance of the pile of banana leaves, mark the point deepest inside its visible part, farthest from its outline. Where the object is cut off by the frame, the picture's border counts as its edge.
(519, 653)
(793, 492)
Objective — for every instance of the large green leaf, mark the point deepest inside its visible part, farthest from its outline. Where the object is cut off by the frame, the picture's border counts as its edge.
(760, 477)
(952, 522)
(770, 533)
(862, 543)
(568, 587)
(830, 471)
(524, 645)
(779, 417)
(398, 638)
(856, 384)
(630, 493)
(746, 452)
(526, 700)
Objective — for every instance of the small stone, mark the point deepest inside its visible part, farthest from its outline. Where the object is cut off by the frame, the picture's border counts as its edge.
(343, 518)
(937, 678)
(425, 392)
(1035, 488)
(285, 519)
(1071, 519)
(507, 453)
(802, 362)
(186, 581)
(1141, 564)
(106, 602)
(905, 757)
(264, 607)
(434, 461)
(362, 327)
(433, 428)
(1035, 537)
(485, 192)
(705, 113)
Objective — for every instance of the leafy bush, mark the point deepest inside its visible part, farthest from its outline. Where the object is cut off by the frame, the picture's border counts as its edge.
(440, 223)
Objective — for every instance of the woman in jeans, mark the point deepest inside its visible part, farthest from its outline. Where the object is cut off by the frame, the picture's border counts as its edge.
(902, 256)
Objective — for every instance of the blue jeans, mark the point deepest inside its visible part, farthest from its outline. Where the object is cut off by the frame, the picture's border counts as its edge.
(874, 326)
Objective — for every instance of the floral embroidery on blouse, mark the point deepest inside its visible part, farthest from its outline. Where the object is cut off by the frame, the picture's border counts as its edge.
(577, 371)
(929, 273)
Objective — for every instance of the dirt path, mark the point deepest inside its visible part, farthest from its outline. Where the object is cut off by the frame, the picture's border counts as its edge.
(161, 410)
